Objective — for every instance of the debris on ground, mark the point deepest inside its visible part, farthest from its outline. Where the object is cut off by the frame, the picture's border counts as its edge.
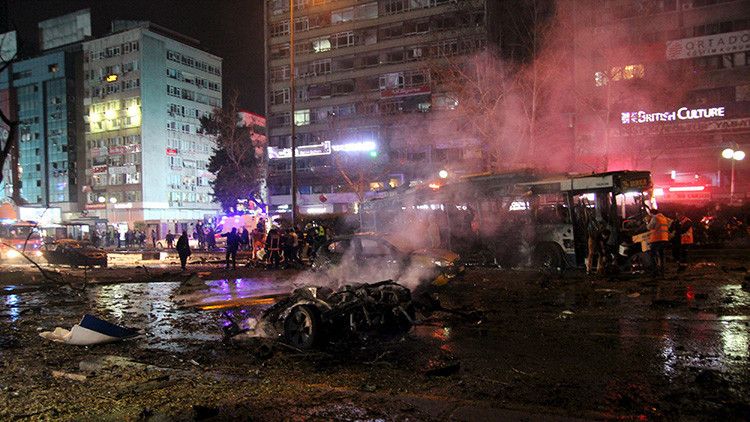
(312, 317)
(565, 314)
(68, 375)
(91, 330)
(444, 369)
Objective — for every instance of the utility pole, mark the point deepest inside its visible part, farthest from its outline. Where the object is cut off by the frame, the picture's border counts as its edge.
(292, 98)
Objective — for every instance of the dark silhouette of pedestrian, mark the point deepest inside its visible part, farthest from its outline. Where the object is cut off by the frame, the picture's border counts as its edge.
(183, 249)
(153, 237)
(273, 248)
(233, 243)
(170, 240)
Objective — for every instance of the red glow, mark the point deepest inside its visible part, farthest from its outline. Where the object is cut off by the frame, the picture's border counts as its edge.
(434, 186)
(690, 293)
(687, 188)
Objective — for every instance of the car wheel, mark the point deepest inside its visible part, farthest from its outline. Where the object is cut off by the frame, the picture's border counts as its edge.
(548, 257)
(302, 327)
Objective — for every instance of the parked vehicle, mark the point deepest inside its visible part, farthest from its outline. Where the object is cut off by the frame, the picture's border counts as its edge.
(74, 253)
(17, 238)
(385, 257)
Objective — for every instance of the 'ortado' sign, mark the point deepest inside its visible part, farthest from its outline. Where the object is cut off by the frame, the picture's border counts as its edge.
(709, 45)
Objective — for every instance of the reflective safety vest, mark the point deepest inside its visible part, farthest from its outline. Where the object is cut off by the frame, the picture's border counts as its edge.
(687, 236)
(660, 233)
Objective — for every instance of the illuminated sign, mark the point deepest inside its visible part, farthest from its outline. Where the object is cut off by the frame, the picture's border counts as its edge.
(111, 78)
(404, 92)
(709, 45)
(99, 169)
(686, 127)
(302, 151)
(356, 147)
(682, 113)
(171, 151)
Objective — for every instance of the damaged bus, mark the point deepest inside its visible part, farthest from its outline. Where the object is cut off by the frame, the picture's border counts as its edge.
(516, 219)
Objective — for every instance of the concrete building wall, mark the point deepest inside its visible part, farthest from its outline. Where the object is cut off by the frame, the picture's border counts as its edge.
(170, 85)
(363, 76)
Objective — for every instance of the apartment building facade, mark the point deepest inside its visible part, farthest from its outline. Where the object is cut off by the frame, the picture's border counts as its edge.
(364, 96)
(43, 94)
(665, 86)
(145, 89)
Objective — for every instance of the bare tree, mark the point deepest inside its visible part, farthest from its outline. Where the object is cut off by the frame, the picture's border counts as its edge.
(11, 139)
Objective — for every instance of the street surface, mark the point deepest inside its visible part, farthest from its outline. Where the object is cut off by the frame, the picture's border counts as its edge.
(545, 348)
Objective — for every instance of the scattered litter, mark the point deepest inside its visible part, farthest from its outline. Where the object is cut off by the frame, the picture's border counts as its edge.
(444, 370)
(194, 362)
(91, 330)
(565, 315)
(68, 375)
(634, 295)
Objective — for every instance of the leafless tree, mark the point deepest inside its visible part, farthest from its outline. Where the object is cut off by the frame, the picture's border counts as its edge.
(11, 138)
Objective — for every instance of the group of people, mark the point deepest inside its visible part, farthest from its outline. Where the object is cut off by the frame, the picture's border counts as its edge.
(662, 232)
(131, 238)
(278, 247)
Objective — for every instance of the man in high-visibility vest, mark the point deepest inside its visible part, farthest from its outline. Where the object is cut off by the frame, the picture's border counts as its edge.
(682, 238)
(658, 227)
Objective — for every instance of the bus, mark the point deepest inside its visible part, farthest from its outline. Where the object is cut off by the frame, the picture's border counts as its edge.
(516, 219)
(17, 237)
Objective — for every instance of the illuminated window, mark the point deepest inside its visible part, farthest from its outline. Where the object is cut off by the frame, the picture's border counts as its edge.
(600, 79)
(321, 44)
(302, 117)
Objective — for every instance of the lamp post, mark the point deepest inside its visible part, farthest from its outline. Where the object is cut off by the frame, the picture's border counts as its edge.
(292, 97)
(733, 155)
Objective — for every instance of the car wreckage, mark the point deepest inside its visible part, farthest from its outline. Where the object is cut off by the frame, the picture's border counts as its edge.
(313, 317)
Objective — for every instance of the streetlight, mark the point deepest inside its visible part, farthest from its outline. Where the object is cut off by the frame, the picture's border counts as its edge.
(292, 97)
(443, 174)
(733, 155)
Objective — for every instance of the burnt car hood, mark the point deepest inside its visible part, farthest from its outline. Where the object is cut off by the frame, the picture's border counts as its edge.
(445, 254)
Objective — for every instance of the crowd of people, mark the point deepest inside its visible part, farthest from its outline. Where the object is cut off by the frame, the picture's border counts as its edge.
(660, 233)
(274, 248)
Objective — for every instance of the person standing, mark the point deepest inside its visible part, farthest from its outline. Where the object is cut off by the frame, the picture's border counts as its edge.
(153, 238)
(233, 243)
(682, 230)
(273, 247)
(170, 239)
(245, 238)
(183, 249)
(658, 227)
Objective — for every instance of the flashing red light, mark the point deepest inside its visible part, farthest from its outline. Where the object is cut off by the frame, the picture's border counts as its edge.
(687, 188)
(434, 186)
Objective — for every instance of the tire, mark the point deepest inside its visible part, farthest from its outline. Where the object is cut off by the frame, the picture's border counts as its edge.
(549, 257)
(302, 327)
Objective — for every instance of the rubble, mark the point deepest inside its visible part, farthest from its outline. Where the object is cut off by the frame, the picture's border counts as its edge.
(311, 317)
(91, 330)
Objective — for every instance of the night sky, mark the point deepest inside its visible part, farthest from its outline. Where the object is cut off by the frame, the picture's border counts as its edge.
(231, 29)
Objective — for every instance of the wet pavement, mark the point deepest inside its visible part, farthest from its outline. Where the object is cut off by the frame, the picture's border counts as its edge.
(575, 347)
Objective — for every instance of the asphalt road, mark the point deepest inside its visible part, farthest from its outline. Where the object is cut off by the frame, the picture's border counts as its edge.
(545, 349)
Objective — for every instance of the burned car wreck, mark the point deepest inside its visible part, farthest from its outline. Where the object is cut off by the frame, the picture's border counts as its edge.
(314, 317)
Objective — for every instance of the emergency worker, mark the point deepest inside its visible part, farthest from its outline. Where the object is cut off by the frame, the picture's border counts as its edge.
(682, 237)
(273, 248)
(658, 226)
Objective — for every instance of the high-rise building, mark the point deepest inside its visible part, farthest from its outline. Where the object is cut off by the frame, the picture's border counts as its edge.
(364, 94)
(44, 97)
(146, 88)
(664, 86)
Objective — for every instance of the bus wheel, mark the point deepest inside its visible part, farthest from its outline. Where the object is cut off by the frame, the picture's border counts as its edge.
(548, 258)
